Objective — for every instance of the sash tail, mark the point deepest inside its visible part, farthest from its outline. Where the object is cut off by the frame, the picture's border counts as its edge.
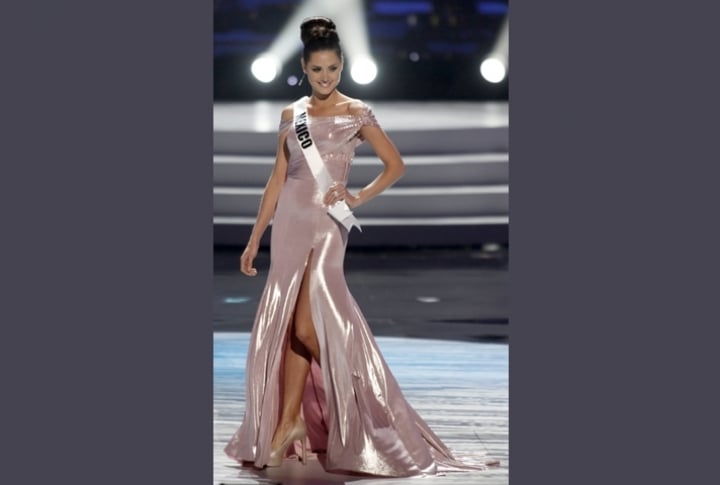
(342, 213)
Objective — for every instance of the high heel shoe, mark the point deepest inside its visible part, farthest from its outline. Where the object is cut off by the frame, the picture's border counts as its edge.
(298, 433)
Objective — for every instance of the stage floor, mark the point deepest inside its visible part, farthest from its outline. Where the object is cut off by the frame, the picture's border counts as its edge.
(459, 388)
(456, 294)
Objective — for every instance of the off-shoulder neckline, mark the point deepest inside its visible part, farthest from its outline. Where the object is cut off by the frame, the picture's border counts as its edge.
(333, 116)
(347, 115)
(340, 114)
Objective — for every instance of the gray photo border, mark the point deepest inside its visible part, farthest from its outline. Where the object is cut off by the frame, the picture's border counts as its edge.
(107, 243)
(610, 231)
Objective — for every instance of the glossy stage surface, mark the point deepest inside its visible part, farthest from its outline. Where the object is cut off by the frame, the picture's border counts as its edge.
(459, 388)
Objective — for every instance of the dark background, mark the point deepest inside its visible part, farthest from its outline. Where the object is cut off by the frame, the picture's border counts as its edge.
(451, 38)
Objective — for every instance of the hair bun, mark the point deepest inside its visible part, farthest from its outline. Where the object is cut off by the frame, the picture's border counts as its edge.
(317, 28)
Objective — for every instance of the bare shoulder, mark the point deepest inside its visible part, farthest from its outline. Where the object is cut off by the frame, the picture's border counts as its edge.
(353, 106)
(356, 107)
(287, 113)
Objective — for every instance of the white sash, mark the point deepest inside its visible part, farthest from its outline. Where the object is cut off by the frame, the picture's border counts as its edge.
(340, 210)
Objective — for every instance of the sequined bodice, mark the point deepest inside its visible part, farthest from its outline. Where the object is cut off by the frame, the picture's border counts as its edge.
(336, 138)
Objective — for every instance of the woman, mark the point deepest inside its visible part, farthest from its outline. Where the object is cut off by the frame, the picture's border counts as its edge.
(315, 377)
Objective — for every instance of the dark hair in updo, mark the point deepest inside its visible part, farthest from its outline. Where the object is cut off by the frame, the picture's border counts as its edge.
(319, 34)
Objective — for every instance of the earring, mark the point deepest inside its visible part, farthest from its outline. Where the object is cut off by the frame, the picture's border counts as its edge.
(301, 80)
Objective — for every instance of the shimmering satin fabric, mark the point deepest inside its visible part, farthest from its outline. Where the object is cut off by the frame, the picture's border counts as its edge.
(356, 415)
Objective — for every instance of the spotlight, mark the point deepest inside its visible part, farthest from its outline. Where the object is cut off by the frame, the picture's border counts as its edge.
(363, 71)
(494, 67)
(493, 70)
(349, 15)
(265, 68)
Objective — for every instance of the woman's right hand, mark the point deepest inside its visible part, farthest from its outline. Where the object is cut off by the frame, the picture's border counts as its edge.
(246, 260)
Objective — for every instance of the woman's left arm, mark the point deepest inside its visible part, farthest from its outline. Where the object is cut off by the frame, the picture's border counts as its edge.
(393, 170)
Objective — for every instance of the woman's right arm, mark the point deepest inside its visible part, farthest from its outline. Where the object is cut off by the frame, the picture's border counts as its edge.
(268, 203)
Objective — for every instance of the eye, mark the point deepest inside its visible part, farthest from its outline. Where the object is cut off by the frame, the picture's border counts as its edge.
(333, 68)
(315, 69)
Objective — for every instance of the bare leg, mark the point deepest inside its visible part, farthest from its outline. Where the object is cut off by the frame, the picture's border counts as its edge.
(302, 346)
(303, 327)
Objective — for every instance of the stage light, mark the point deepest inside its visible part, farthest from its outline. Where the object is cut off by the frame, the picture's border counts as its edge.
(493, 70)
(265, 68)
(349, 17)
(236, 299)
(363, 71)
(495, 66)
(428, 299)
(292, 80)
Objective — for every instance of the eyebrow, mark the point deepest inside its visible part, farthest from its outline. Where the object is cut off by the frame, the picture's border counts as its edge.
(317, 65)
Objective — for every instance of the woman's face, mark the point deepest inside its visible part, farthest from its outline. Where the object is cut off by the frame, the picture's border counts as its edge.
(323, 70)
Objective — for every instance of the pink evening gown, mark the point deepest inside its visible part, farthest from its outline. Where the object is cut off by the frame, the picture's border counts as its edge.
(357, 418)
